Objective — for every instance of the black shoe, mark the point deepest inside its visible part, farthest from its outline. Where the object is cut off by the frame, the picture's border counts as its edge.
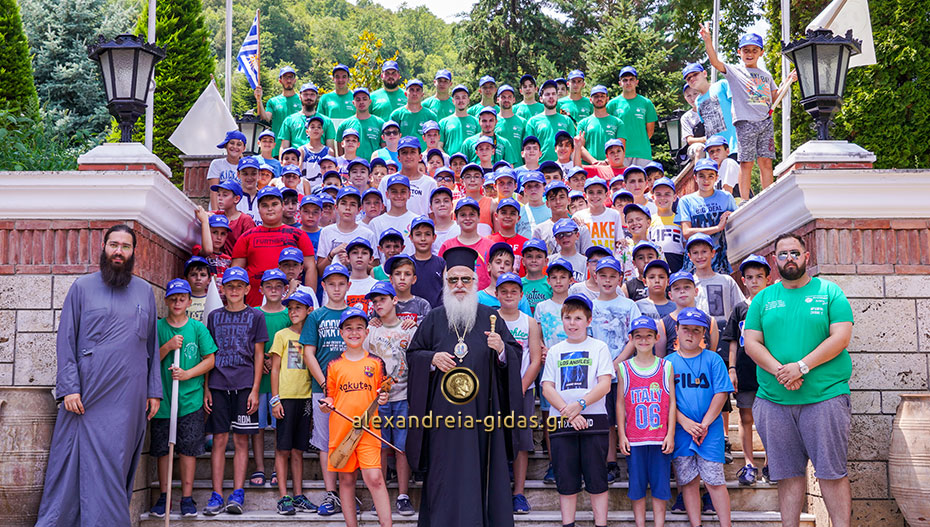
(613, 473)
(549, 478)
(727, 454)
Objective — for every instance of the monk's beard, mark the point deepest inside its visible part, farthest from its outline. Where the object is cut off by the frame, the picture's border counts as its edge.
(116, 275)
(460, 313)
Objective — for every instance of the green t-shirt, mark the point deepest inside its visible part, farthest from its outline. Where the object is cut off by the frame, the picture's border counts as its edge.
(336, 106)
(599, 130)
(502, 150)
(535, 291)
(321, 329)
(275, 323)
(294, 129)
(475, 108)
(412, 123)
(579, 109)
(197, 344)
(379, 274)
(369, 132)
(384, 102)
(280, 107)
(793, 323)
(544, 127)
(526, 111)
(454, 130)
(635, 114)
(442, 109)
(511, 129)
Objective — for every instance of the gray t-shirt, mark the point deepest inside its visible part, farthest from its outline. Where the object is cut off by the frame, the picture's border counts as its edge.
(717, 297)
(649, 308)
(753, 91)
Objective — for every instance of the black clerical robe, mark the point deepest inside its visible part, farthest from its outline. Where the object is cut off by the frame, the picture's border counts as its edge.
(467, 483)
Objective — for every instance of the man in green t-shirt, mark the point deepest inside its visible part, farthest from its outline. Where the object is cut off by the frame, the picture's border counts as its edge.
(545, 125)
(411, 116)
(509, 125)
(576, 104)
(530, 106)
(639, 118)
(503, 149)
(337, 104)
(598, 128)
(441, 104)
(280, 106)
(453, 130)
(487, 86)
(390, 97)
(796, 332)
(294, 128)
(368, 126)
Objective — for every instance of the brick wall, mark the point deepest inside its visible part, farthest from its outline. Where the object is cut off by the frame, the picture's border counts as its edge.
(195, 175)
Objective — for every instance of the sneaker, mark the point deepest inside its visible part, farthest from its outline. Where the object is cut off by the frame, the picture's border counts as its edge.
(215, 506)
(302, 504)
(331, 505)
(613, 473)
(679, 506)
(188, 507)
(707, 506)
(765, 475)
(158, 510)
(549, 478)
(727, 453)
(286, 506)
(520, 505)
(235, 502)
(404, 507)
(747, 475)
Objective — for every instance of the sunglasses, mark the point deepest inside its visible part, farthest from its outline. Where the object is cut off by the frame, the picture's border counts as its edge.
(454, 280)
(784, 255)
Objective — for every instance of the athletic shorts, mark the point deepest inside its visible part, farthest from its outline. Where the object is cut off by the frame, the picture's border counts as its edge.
(366, 455)
(293, 431)
(396, 411)
(523, 437)
(689, 467)
(577, 455)
(756, 139)
(745, 399)
(230, 413)
(319, 435)
(649, 467)
(189, 439)
(794, 433)
(611, 402)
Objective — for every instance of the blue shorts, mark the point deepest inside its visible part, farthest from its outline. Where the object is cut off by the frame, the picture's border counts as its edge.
(649, 467)
(397, 411)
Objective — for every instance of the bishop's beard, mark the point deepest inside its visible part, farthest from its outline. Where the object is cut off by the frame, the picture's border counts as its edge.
(116, 275)
(460, 313)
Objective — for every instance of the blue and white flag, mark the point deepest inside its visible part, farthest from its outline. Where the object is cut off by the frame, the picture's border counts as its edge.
(248, 55)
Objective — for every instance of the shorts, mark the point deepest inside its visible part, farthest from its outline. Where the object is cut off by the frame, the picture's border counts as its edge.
(190, 435)
(366, 455)
(230, 413)
(611, 401)
(319, 434)
(794, 433)
(756, 139)
(265, 419)
(647, 465)
(745, 399)
(576, 455)
(636, 161)
(397, 411)
(293, 431)
(689, 467)
(523, 436)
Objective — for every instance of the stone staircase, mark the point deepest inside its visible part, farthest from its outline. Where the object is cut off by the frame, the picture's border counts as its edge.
(755, 506)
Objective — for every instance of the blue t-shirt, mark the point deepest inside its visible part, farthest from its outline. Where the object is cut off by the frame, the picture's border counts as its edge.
(235, 334)
(705, 212)
(386, 155)
(273, 163)
(610, 322)
(714, 110)
(322, 330)
(429, 279)
(485, 299)
(697, 380)
(314, 239)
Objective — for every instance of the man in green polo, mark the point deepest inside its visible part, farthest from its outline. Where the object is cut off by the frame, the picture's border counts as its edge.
(280, 106)
(441, 104)
(294, 128)
(390, 97)
(337, 104)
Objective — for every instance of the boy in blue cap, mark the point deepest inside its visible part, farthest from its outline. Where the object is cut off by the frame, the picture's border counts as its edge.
(412, 114)
(224, 168)
(638, 115)
(604, 224)
(408, 154)
(441, 103)
(530, 151)
(728, 172)
(544, 126)
(335, 237)
(428, 266)
(487, 87)
(312, 152)
(713, 105)
(311, 212)
(213, 248)
(228, 194)
(197, 275)
(369, 126)
(706, 212)
(455, 128)
(663, 231)
(397, 218)
(360, 255)
(291, 263)
(535, 285)
(390, 243)
(753, 91)
(566, 234)
(247, 174)
(576, 105)
(351, 140)
(178, 331)
(535, 211)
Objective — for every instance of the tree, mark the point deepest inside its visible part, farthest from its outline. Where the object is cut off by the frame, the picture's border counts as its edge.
(17, 89)
(366, 71)
(182, 75)
(69, 84)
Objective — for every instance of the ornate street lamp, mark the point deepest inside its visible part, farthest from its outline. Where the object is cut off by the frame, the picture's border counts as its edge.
(126, 64)
(251, 126)
(676, 142)
(822, 60)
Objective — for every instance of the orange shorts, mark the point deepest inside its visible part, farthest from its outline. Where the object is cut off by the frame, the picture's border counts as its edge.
(366, 455)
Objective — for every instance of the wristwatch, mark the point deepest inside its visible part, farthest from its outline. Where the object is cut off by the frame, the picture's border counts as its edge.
(584, 405)
(804, 369)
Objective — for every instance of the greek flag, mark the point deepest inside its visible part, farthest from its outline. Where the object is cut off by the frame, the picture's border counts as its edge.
(248, 55)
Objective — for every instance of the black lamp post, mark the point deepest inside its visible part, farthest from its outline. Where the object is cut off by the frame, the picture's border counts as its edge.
(822, 60)
(676, 142)
(126, 64)
(251, 125)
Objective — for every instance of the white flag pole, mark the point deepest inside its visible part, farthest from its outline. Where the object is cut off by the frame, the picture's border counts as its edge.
(785, 70)
(716, 38)
(172, 433)
(150, 97)
(227, 82)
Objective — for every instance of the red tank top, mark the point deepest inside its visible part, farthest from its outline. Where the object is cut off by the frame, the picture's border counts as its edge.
(646, 401)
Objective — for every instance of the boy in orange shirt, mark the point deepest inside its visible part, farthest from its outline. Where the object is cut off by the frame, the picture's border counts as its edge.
(353, 381)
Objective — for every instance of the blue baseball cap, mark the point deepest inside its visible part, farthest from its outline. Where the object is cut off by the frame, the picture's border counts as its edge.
(316, 117)
(560, 79)
(501, 164)
(311, 199)
(694, 67)
(579, 299)
(389, 65)
(508, 202)
(362, 89)
(500, 246)
(467, 202)
(389, 123)
(335, 268)
(614, 142)
(301, 298)
(716, 140)
(443, 74)
(247, 162)
(680, 275)
(230, 135)
(372, 192)
(549, 165)
(331, 159)
(562, 134)
(285, 70)
(359, 242)
(635, 207)
(235, 273)
(378, 161)
(504, 173)
(408, 141)
(595, 181)
(342, 67)
(657, 263)
(266, 133)
(631, 169)
(219, 220)
(560, 263)
(643, 323)
(434, 152)
(442, 170)
(429, 126)
(628, 70)
(548, 83)
(556, 185)
(274, 274)
(616, 179)
(488, 109)
(356, 162)
(391, 232)
(576, 194)
(288, 191)
(350, 131)
(326, 199)
(608, 262)
(394, 260)
(291, 254)
(530, 139)
(290, 169)
(484, 140)
(534, 244)
(664, 181)
(460, 87)
(445, 190)
(262, 165)
(458, 155)
(231, 185)
(504, 88)
(705, 164)
(527, 77)
(684, 88)
(533, 176)
(750, 39)
(486, 79)
(600, 88)
(699, 238)
(564, 225)
(349, 190)
(596, 249)
(575, 74)
(511, 278)
(352, 312)
(195, 260)
(423, 220)
(472, 166)
(308, 86)
(755, 259)
(655, 165)
(291, 150)
(177, 286)
(645, 244)
(397, 179)
(414, 82)
(270, 191)
(621, 193)
(692, 316)
(382, 287)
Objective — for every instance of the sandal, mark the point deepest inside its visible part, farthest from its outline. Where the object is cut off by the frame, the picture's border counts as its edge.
(257, 479)
(274, 479)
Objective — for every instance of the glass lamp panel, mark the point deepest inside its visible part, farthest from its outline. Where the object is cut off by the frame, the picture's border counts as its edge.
(828, 59)
(143, 74)
(804, 63)
(122, 65)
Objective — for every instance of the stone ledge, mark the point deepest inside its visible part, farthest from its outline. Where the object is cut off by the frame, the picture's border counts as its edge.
(122, 157)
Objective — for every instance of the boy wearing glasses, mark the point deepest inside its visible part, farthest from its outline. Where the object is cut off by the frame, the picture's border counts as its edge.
(706, 212)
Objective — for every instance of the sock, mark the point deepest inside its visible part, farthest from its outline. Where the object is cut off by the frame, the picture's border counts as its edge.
(572, 524)
(399, 496)
(611, 464)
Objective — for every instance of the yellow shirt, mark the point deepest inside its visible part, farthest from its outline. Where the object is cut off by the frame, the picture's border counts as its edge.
(294, 378)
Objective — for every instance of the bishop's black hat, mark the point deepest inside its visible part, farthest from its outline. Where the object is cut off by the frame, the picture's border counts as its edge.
(456, 256)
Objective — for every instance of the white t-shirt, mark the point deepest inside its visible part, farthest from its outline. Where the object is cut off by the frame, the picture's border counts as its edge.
(574, 368)
(222, 170)
(331, 236)
(420, 190)
(400, 223)
(355, 296)
(520, 329)
(728, 174)
(605, 228)
(249, 205)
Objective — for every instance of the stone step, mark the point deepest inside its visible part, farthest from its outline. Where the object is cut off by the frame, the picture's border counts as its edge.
(584, 518)
(541, 496)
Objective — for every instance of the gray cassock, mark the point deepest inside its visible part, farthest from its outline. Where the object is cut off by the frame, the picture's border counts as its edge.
(108, 352)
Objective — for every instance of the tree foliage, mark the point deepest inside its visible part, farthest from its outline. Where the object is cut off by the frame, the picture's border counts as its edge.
(28, 144)
(17, 89)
